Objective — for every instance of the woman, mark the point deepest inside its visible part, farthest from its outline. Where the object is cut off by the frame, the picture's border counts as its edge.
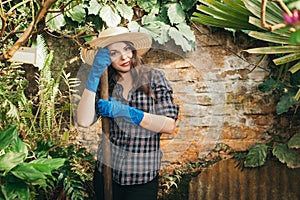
(140, 108)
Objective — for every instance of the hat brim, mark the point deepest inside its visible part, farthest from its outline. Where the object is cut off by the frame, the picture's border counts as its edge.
(141, 41)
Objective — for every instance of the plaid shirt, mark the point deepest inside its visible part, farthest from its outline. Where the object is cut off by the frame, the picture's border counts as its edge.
(135, 151)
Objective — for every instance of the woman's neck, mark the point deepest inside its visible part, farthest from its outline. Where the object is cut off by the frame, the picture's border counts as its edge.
(126, 80)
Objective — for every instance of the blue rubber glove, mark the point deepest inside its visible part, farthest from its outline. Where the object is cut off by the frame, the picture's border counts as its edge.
(114, 109)
(101, 61)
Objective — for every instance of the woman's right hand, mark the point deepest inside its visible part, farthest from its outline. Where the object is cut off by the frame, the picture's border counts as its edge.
(101, 61)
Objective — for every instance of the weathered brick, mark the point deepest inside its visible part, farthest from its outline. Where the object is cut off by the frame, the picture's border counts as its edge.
(216, 89)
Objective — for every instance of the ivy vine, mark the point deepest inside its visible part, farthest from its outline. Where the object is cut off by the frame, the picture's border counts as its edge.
(82, 20)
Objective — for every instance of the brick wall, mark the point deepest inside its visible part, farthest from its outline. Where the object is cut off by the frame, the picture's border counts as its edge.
(216, 89)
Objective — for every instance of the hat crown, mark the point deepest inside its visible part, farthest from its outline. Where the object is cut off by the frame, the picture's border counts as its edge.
(112, 31)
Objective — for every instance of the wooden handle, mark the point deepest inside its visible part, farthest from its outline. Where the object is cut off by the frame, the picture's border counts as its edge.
(106, 142)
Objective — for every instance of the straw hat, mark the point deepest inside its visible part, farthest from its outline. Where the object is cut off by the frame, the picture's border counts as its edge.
(141, 41)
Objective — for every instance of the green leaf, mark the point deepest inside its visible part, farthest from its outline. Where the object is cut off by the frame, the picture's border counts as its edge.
(180, 39)
(267, 85)
(158, 31)
(10, 160)
(47, 165)
(176, 14)
(186, 31)
(286, 102)
(187, 4)
(134, 26)
(94, 7)
(44, 169)
(256, 156)
(111, 18)
(147, 5)
(8, 136)
(125, 11)
(27, 172)
(286, 155)
(81, 151)
(98, 25)
(77, 13)
(8, 192)
(295, 37)
(294, 142)
(147, 19)
(19, 146)
(15, 190)
(55, 21)
(22, 190)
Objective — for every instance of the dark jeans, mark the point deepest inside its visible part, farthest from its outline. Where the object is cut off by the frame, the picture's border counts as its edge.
(147, 191)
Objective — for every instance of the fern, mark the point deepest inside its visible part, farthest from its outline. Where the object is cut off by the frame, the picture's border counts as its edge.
(45, 82)
(77, 171)
(50, 117)
(48, 93)
(14, 106)
(72, 84)
(42, 52)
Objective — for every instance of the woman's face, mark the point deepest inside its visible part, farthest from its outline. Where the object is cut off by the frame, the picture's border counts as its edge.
(121, 56)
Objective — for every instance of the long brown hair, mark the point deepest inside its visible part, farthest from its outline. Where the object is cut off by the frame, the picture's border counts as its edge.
(142, 82)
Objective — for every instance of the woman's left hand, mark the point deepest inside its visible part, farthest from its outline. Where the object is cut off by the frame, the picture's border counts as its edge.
(114, 109)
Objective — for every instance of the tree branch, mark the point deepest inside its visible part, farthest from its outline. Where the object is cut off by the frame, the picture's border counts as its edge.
(28, 32)
(3, 19)
(72, 37)
(16, 6)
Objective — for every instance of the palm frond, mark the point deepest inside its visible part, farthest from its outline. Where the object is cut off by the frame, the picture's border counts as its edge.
(295, 68)
(273, 11)
(230, 14)
(275, 49)
(246, 15)
(270, 37)
(287, 58)
(284, 32)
